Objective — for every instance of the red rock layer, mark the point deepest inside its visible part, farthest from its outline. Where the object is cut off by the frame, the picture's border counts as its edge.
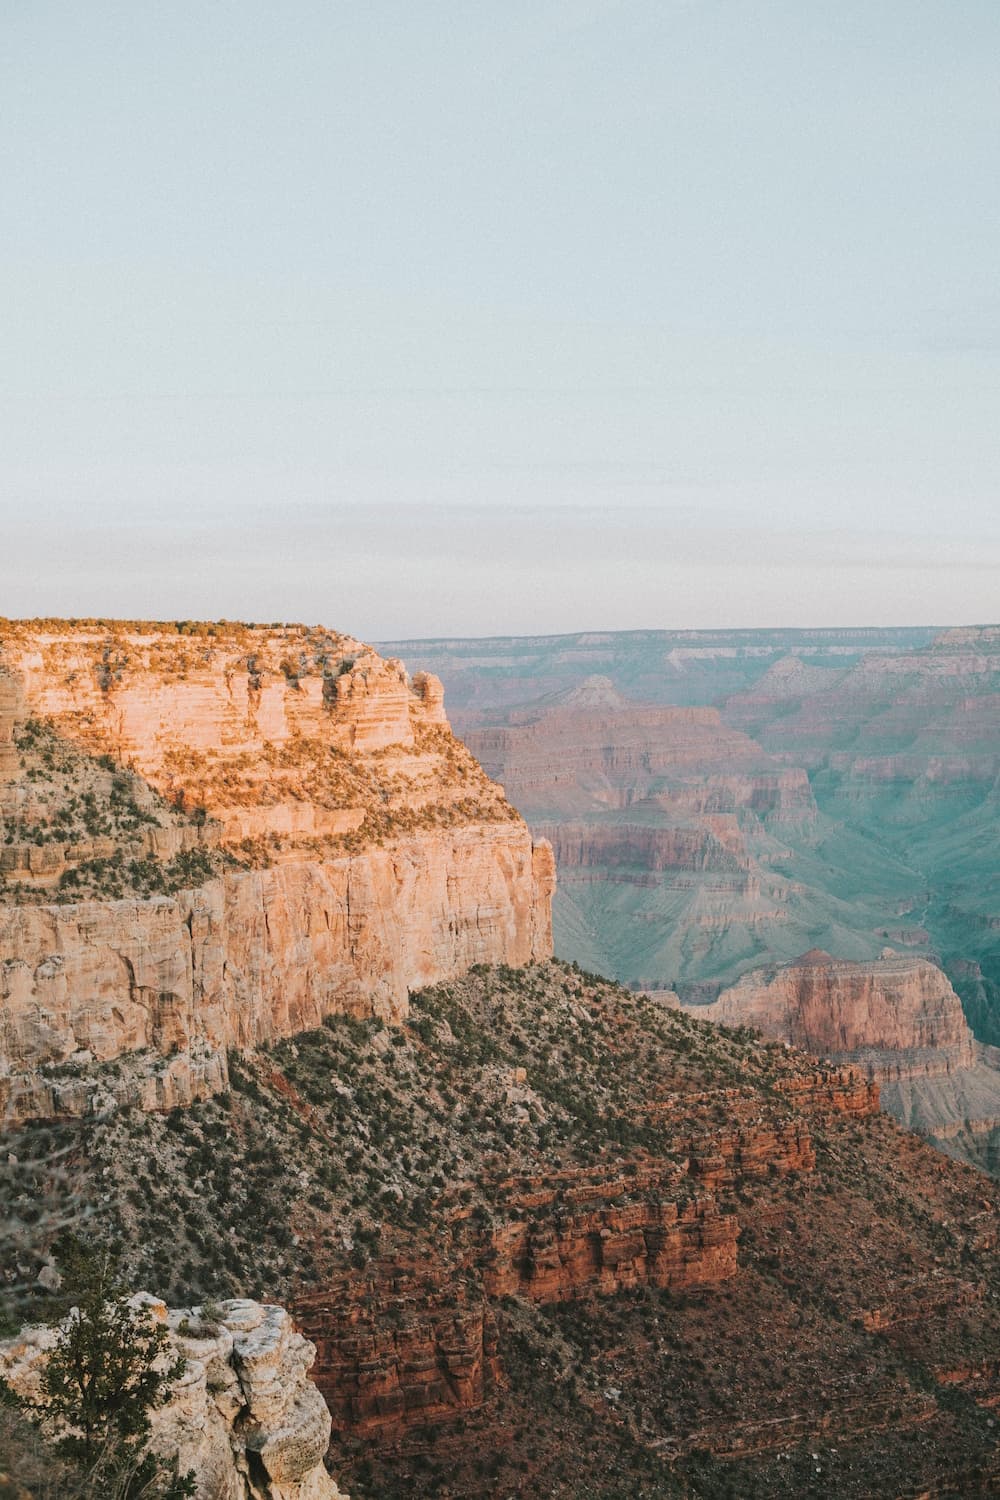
(398, 1347)
(586, 1240)
(897, 1017)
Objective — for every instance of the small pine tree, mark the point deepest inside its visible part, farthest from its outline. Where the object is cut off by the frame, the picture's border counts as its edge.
(103, 1378)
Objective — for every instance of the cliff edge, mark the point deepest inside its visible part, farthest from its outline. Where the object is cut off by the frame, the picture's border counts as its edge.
(212, 835)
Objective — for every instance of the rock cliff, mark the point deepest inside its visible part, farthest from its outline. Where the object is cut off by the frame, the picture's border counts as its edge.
(899, 1020)
(215, 838)
(243, 1418)
(674, 834)
(896, 1016)
(592, 750)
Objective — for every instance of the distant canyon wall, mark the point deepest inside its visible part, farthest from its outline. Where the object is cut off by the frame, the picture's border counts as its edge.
(896, 1018)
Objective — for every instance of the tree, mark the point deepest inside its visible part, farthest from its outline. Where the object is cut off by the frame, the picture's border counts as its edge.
(107, 1372)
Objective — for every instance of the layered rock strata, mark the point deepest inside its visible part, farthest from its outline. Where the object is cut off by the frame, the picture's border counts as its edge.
(896, 1017)
(890, 741)
(409, 1345)
(243, 1418)
(592, 749)
(900, 1022)
(11, 708)
(674, 834)
(332, 845)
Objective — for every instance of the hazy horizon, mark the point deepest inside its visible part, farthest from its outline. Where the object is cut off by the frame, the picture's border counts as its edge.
(576, 315)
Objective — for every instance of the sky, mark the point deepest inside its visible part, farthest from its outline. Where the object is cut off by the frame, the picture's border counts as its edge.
(452, 318)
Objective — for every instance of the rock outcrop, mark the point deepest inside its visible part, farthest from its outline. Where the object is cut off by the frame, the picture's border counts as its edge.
(896, 1016)
(243, 1417)
(11, 708)
(330, 845)
(898, 1020)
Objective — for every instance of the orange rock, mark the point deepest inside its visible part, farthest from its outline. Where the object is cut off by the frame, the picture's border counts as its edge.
(303, 737)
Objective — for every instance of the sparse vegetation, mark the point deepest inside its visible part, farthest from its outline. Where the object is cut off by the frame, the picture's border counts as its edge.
(103, 1376)
(357, 1147)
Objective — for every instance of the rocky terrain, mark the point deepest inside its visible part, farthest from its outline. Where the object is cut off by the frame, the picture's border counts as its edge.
(278, 1017)
(897, 1016)
(719, 802)
(244, 1419)
(899, 1020)
(686, 852)
(550, 1237)
(214, 834)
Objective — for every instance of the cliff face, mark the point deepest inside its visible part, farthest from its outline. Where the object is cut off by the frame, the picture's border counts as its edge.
(594, 750)
(666, 825)
(243, 1417)
(270, 827)
(898, 1019)
(897, 1016)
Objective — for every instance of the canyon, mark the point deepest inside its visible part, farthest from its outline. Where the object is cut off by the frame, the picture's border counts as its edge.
(723, 802)
(280, 1018)
(884, 749)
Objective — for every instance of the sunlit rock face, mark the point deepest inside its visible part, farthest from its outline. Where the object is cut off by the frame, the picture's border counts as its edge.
(214, 835)
(897, 1016)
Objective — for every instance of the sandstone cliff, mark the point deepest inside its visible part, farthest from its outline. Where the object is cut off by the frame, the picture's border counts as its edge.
(243, 1417)
(898, 1019)
(896, 1016)
(268, 826)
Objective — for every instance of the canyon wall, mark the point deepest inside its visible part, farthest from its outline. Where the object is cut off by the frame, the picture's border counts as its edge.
(251, 956)
(882, 817)
(896, 1016)
(899, 1020)
(675, 836)
(332, 846)
(413, 1344)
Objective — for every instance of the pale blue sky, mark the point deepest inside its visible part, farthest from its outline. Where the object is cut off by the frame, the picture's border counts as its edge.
(454, 318)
